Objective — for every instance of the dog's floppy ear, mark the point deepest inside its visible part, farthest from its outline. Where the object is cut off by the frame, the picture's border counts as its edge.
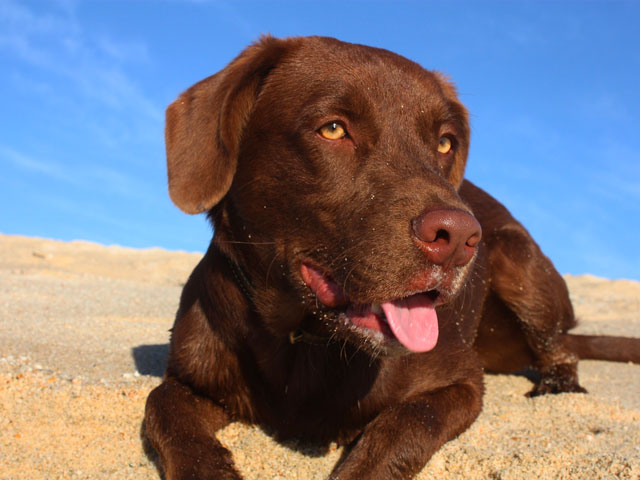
(204, 126)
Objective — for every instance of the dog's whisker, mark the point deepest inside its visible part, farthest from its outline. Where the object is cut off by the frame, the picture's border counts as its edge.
(275, 256)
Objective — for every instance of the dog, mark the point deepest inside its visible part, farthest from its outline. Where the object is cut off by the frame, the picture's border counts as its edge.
(356, 286)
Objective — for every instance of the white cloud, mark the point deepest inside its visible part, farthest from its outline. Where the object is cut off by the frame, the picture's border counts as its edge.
(95, 64)
(89, 177)
(123, 52)
(49, 169)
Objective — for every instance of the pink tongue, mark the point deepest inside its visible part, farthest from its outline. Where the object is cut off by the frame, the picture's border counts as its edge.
(413, 321)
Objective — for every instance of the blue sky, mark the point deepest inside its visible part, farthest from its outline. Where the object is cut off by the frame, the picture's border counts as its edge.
(553, 89)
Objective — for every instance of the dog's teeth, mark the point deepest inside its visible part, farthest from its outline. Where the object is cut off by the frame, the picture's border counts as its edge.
(377, 309)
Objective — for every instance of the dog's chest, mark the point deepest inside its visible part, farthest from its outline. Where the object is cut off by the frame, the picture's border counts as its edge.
(323, 392)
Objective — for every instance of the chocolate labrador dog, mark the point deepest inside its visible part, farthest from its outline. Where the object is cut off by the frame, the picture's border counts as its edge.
(356, 286)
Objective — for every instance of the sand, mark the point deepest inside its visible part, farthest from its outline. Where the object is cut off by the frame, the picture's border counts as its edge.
(83, 339)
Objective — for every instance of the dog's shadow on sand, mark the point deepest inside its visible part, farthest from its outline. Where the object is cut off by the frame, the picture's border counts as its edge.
(151, 359)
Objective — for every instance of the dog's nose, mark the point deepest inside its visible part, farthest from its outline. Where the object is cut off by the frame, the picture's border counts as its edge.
(447, 236)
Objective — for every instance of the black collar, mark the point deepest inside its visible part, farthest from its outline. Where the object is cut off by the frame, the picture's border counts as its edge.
(241, 278)
(295, 336)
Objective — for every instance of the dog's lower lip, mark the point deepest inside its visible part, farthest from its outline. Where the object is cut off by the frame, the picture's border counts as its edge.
(369, 318)
(411, 320)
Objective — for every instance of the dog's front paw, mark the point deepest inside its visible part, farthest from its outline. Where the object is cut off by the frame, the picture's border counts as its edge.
(201, 469)
(557, 379)
(200, 461)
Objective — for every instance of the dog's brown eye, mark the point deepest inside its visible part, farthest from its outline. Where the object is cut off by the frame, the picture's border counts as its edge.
(444, 145)
(333, 131)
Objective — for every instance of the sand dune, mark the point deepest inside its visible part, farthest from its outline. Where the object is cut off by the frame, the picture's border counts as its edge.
(83, 338)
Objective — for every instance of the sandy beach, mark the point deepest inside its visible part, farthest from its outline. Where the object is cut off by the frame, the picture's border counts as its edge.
(84, 337)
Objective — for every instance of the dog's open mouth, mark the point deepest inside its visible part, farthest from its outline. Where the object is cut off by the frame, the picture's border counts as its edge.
(412, 320)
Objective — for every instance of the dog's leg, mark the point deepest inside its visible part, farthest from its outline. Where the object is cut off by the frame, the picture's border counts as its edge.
(398, 443)
(181, 427)
(527, 282)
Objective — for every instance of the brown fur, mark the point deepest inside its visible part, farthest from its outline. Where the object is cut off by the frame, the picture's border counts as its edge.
(251, 341)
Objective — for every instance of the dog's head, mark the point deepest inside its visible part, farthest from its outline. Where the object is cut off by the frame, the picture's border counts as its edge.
(331, 173)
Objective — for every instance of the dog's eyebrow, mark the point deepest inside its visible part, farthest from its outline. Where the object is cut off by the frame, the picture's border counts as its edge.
(456, 112)
(430, 122)
(349, 103)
